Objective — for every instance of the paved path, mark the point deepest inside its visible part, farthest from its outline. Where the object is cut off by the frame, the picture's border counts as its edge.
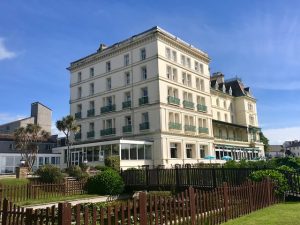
(74, 202)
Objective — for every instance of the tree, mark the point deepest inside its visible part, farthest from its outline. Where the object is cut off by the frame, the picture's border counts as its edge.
(27, 139)
(67, 125)
(265, 141)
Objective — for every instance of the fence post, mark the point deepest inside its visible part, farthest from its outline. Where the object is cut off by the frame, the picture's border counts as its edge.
(28, 216)
(143, 208)
(192, 205)
(4, 211)
(147, 176)
(177, 176)
(225, 192)
(64, 214)
(214, 178)
(250, 191)
(269, 190)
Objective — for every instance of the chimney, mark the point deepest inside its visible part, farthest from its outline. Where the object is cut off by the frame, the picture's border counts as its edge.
(101, 47)
(218, 76)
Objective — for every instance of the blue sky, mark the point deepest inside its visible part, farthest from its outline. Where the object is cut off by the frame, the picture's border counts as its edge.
(255, 40)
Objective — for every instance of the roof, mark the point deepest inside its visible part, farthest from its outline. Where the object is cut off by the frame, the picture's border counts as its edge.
(16, 121)
(41, 104)
(275, 148)
(235, 84)
(139, 35)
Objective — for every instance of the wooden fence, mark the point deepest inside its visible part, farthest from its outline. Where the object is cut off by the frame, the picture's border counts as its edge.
(147, 179)
(192, 206)
(36, 190)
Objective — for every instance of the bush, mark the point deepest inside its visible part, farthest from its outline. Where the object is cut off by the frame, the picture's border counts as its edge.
(113, 162)
(101, 168)
(108, 182)
(285, 168)
(76, 171)
(277, 177)
(50, 174)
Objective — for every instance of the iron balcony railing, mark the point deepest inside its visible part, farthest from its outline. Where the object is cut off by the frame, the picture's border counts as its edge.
(143, 100)
(173, 100)
(144, 126)
(127, 129)
(108, 108)
(126, 104)
(190, 128)
(90, 134)
(108, 131)
(91, 112)
(201, 108)
(203, 130)
(175, 126)
(78, 115)
(188, 104)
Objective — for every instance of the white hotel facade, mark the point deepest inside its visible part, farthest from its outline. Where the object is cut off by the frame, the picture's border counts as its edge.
(151, 100)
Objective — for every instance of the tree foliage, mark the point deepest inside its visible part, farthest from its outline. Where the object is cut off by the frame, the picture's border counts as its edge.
(27, 139)
(265, 141)
(67, 125)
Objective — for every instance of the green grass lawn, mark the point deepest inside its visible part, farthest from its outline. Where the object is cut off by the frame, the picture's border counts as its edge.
(13, 181)
(55, 199)
(285, 213)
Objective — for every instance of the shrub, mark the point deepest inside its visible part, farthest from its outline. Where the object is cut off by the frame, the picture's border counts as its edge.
(288, 161)
(101, 168)
(76, 171)
(285, 168)
(49, 174)
(278, 178)
(108, 182)
(113, 162)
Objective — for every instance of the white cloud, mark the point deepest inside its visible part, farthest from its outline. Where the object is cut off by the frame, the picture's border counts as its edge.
(6, 118)
(4, 52)
(280, 135)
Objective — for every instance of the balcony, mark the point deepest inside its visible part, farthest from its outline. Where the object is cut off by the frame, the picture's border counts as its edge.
(201, 108)
(190, 128)
(108, 131)
(203, 130)
(126, 104)
(90, 134)
(108, 108)
(175, 126)
(188, 104)
(91, 112)
(173, 100)
(78, 115)
(77, 136)
(127, 129)
(143, 100)
(144, 126)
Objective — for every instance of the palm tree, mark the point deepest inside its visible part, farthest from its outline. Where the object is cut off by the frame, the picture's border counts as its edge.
(67, 125)
(26, 139)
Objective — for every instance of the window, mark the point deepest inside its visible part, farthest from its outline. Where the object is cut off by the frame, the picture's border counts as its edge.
(145, 117)
(79, 77)
(41, 161)
(144, 92)
(218, 115)
(202, 85)
(183, 60)
(108, 67)
(250, 107)
(127, 120)
(92, 104)
(174, 56)
(225, 104)
(189, 120)
(91, 72)
(143, 54)
(188, 62)
(174, 117)
(108, 101)
(172, 92)
(196, 64)
(226, 117)
(125, 151)
(197, 83)
(168, 53)
(173, 150)
(201, 100)
(189, 80)
(126, 60)
(79, 92)
(169, 72)
(11, 146)
(133, 151)
(127, 78)
(251, 119)
(201, 68)
(217, 102)
(91, 126)
(202, 149)
(79, 108)
(127, 96)
(47, 160)
(108, 83)
(141, 152)
(184, 78)
(144, 72)
(189, 151)
(148, 152)
(92, 88)
(187, 96)
(202, 123)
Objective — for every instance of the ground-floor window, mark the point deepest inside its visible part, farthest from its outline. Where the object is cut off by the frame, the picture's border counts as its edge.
(202, 150)
(173, 150)
(136, 152)
(189, 151)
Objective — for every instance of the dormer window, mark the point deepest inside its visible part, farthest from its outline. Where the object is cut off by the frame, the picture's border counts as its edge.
(224, 88)
(230, 91)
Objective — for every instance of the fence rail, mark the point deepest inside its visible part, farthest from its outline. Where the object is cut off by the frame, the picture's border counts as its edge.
(183, 177)
(36, 190)
(192, 206)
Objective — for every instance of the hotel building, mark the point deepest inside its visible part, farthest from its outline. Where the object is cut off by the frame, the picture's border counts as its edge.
(151, 100)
